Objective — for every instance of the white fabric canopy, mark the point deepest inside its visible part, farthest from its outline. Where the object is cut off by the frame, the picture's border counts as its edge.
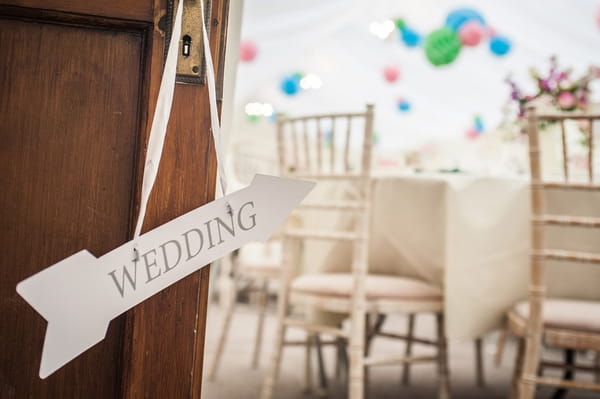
(332, 39)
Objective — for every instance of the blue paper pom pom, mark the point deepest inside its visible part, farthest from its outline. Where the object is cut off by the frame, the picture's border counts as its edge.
(458, 17)
(290, 85)
(403, 105)
(479, 125)
(410, 37)
(500, 45)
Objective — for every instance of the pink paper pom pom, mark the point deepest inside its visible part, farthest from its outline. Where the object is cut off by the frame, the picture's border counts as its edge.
(471, 134)
(471, 33)
(248, 51)
(391, 73)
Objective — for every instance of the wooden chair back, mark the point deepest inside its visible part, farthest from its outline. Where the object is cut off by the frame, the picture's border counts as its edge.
(335, 147)
(540, 219)
(326, 144)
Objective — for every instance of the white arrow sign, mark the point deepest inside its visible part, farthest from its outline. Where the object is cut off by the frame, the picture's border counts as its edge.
(81, 294)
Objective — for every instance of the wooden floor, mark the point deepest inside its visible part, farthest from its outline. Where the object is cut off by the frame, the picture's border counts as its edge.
(237, 380)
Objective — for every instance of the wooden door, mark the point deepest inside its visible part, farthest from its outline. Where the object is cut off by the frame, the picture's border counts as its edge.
(78, 84)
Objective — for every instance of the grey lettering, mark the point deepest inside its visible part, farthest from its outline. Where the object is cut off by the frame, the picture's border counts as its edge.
(210, 241)
(164, 251)
(187, 243)
(125, 274)
(150, 265)
(220, 223)
(252, 217)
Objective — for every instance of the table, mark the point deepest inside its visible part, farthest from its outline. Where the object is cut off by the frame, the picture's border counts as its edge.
(469, 235)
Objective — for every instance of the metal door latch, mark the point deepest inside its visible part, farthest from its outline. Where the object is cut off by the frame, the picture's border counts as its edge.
(190, 63)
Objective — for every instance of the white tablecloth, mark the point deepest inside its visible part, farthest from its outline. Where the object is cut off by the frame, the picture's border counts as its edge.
(469, 235)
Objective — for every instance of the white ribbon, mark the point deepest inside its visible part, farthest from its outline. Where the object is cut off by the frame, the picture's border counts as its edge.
(214, 115)
(160, 120)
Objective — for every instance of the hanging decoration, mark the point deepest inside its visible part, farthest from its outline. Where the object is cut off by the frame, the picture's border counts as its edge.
(500, 45)
(292, 84)
(462, 27)
(410, 37)
(471, 33)
(479, 127)
(442, 46)
(248, 51)
(471, 134)
(457, 18)
(403, 105)
(476, 129)
(391, 73)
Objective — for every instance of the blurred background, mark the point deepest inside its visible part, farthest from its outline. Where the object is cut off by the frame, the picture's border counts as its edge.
(436, 106)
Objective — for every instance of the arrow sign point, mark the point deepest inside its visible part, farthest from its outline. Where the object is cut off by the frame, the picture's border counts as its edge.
(266, 189)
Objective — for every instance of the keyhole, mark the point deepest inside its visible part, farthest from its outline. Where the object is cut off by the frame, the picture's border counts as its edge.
(187, 42)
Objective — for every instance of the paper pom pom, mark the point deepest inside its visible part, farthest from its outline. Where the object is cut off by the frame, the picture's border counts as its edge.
(253, 118)
(442, 46)
(403, 105)
(460, 16)
(472, 134)
(566, 100)
(479, 124)
(391, 73)
(248, 51)
(410, 37)
(500, 45)
(400, 24)
(471, 33)
(290, 85)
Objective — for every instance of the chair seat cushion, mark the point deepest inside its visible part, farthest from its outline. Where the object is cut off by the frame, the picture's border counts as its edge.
(377, 286)
(566, 314)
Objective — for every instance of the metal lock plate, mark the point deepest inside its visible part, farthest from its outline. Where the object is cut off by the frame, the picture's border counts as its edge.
(190, 63)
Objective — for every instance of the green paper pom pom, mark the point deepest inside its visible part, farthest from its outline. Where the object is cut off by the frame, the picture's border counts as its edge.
(442, 46)
(400, 24)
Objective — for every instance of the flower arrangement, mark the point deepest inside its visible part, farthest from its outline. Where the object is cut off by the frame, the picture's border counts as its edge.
(557, 89)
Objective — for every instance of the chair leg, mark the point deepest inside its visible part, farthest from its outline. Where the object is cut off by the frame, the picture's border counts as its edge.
(282, 312)
(479, 373)
(373, 324)
(229, 307)
(369, 334)
(357, 348)
(444, 381)
(308, 363)
(408, 349)
(262, 297)
(500, 347)
(527, 385)
(273, 371)
(339, 350)
(341, 366)
(518, 369)
(321, 363)
(568, 374)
